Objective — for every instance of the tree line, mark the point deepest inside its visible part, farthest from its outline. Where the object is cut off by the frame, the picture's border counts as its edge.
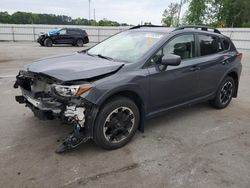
(217, 13)
(35, 18)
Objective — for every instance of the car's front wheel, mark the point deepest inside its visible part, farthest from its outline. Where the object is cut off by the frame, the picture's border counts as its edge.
(224, 94)
(116, 123)
(48, 42)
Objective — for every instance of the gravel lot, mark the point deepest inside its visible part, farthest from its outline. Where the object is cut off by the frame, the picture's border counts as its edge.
(187, 148)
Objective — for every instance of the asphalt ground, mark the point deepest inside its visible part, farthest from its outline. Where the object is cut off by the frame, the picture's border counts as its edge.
(192, 147)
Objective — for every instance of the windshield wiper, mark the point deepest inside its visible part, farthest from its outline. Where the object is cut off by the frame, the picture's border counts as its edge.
(101, 56)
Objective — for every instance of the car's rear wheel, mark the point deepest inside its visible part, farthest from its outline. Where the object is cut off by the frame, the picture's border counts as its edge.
(224, 94)
(116, 123)
(86, 40)
(79, 43)
(48, 42)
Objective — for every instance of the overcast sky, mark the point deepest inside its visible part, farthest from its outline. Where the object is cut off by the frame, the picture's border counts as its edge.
(127, 11)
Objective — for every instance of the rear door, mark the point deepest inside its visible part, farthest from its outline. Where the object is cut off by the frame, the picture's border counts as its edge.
(212, 62)
(72, 35)
(174, 84)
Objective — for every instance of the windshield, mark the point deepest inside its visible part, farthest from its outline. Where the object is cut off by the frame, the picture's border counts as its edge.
(126, 46)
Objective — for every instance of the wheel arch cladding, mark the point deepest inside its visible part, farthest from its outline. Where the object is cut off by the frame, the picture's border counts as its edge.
(135, 97)
(235, 77)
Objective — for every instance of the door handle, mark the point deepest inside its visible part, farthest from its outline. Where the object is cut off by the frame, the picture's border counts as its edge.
(195, 68)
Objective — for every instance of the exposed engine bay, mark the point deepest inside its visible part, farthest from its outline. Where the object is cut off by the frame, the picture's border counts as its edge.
(50, 98)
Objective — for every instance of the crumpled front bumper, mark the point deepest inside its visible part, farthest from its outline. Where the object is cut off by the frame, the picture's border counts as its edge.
(45, 104)
(39, 95)
(40, 39)
(49, 109)
(39, 109)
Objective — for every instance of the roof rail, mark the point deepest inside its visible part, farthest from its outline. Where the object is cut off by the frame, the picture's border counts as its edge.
(140, 26)
(202, 27)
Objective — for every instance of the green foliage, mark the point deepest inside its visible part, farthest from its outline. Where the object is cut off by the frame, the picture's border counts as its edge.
(34, 18)
(170, 15)
(4, 17)
(233, 13)
(105, 22)
(196, 12)
(219, 13)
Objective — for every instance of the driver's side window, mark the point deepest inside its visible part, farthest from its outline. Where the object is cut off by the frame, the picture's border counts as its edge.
(183, 46)
(62, 32)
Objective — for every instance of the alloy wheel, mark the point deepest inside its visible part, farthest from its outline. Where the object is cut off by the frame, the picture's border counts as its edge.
(226, 92)
(119, 124)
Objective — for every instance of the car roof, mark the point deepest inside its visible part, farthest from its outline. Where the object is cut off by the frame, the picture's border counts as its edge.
(70, 28)
(167, 30)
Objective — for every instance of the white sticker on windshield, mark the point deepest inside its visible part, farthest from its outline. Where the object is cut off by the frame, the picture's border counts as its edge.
(153, 35)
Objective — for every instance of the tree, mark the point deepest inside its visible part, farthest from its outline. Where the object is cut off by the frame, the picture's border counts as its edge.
(33, 18)
(232, 13)
(170, 15)
(196, 12)
(219, 13)
(4, 17)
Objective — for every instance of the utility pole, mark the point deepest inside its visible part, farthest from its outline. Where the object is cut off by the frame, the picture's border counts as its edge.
(179, 13)
(94, 13)
(89, 12)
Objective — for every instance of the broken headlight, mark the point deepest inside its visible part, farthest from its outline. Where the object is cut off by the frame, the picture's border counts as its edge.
(70, 91)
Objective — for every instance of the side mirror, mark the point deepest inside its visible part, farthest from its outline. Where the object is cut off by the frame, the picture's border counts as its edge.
(171, 60)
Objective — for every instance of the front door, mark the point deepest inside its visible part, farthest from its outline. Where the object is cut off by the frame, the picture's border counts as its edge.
(61, 37)
(173, 85)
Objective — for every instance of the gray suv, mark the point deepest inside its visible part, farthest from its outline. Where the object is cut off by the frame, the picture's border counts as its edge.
(107, 91)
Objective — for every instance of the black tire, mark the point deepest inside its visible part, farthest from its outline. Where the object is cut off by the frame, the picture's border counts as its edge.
(48, 42)
(224, 94)
(86, 40)
(121, 108)
(79, 43)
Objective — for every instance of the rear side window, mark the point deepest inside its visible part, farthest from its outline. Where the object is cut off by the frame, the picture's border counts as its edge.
(73, 32)
(209, 45)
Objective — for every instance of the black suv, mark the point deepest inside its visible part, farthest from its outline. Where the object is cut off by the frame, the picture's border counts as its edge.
(74, 36)
(109, 90)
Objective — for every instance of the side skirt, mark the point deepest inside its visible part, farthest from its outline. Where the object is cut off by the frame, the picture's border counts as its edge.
(188, 103)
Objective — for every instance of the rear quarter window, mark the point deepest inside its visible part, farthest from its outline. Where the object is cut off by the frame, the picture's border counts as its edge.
(226, 44)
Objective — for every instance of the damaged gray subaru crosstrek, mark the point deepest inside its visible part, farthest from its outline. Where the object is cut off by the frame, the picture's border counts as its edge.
(107, 91)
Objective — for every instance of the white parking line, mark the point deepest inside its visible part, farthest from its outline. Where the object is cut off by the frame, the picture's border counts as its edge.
(7, 76)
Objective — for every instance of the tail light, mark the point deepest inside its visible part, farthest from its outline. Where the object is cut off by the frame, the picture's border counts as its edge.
(240, 55)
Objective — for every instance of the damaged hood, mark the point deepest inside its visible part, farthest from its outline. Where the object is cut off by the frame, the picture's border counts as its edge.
(76, 66)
